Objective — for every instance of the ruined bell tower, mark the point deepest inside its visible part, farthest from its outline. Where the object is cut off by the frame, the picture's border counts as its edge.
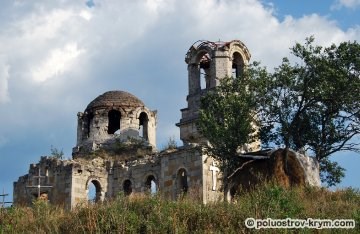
(208, 62)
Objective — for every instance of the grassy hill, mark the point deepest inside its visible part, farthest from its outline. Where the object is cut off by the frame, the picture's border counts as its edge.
(153, 214)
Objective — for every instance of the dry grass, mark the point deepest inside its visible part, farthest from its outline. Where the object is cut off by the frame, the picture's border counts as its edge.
(147, 214)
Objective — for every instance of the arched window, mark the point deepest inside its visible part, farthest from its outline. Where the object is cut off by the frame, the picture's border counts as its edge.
(127, 186)
(143, 126)
(237, 65)
(151, 184)
(181, 181)
(94, 191)
(114, 117)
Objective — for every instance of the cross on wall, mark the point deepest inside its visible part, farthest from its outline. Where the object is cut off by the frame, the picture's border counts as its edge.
(39, 186)
(214, 169)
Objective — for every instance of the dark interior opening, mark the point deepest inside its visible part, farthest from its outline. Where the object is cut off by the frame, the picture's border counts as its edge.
(182, 181)
(143, 126)
(151, 184)
(237, 65)
(127, 186)
(114, 121)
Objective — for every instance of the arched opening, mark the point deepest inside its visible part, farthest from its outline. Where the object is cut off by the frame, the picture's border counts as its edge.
(204, 66)
(181, 181)
(151, 184)
(237, 65)
(93, 191)
(114, 117)
(127, 187)
(143, 126)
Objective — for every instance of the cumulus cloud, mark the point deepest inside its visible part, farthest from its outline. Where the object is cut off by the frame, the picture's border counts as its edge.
(59, 61)
(352, 4)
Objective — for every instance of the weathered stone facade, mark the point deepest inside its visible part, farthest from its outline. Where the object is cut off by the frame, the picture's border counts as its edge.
(116, 143)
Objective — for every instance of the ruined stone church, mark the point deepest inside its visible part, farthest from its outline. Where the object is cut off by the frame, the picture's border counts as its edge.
(116, 143)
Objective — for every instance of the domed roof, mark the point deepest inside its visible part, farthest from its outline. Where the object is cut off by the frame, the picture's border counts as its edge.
(115, 98)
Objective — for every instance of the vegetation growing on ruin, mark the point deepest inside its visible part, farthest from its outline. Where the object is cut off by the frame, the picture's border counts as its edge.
(311, 105)
(153, 214)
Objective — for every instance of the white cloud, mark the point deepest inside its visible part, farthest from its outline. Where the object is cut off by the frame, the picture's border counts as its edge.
(59, 61)
(4, 77)
(43, 25)
(345, 3)
(86, 15)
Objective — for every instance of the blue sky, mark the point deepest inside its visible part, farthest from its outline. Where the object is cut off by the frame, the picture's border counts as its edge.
(57, 56)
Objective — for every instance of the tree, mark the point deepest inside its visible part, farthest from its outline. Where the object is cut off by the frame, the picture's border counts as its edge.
(56, 153)
(227, 120)
(312, 105)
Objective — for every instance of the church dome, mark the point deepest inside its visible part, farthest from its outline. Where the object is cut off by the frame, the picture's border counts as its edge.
(115, 98)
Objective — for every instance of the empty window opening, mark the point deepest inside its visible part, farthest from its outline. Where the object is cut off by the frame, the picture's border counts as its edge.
(202, 79)
(237, 65)
(93, 191)
(143, 126)
(114, 121)
(90, 117)
(127, 186)
(234, 72)
(182, 184)
(151, 184)
(204, 67)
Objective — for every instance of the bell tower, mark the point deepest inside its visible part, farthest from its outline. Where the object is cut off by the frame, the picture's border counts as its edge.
(208, 62)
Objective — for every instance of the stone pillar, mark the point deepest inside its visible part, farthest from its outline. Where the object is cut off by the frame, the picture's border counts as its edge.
(220, 67)
(80, 128)
(194, 78)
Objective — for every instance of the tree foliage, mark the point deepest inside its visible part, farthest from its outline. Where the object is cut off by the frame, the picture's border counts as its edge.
(312, 105)
(56, 153)
(227, 119)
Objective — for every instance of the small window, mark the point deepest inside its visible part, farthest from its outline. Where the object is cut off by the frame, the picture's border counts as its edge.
(114, 117)
(143, 126)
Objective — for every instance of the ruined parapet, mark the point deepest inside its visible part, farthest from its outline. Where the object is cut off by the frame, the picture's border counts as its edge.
(54, 183)
(208, 62)
(111, 117)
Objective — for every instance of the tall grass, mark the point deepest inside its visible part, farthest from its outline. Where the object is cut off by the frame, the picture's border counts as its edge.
(153, 214)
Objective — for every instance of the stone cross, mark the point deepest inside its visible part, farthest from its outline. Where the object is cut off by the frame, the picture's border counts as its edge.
(39, 186)
(214, 169)
(3, 195)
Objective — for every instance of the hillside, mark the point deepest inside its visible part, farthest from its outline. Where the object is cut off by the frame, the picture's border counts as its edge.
(153, 214)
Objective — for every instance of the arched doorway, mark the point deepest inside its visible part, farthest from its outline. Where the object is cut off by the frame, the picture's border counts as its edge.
(127, 187)
(151, 184)
(93, 191)
(181, 182)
